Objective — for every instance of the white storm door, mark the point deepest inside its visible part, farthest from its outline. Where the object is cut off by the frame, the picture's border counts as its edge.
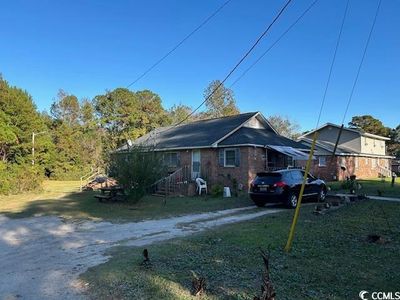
(195, 164)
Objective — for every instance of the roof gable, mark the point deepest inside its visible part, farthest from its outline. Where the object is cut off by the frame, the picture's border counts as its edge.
(358, 131)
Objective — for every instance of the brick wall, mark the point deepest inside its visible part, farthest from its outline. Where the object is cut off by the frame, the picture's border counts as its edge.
(217, 174)
(362, 167)
(252, 160)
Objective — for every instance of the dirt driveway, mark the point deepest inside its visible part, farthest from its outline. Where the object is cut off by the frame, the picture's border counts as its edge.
(42, 257)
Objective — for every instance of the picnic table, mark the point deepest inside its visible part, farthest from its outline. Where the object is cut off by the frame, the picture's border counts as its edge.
(113, 193)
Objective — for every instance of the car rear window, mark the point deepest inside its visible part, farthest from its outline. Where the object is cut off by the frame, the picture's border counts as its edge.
(269, 178)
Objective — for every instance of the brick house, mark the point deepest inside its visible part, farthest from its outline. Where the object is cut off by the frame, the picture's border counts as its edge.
(358, 153)
(225, 150)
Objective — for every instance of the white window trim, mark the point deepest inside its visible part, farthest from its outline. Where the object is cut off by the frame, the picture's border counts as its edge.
(319, 161)
(229, 149)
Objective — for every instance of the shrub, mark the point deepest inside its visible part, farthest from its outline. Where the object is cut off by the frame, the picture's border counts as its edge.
(217, 190)
(15, 178)
(137, 170)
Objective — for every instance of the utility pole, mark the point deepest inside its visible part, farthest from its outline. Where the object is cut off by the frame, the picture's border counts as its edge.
(33, 145)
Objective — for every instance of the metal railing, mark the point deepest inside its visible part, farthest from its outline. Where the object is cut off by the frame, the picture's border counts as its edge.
(173, 183)
(384, 171)
(89, 176)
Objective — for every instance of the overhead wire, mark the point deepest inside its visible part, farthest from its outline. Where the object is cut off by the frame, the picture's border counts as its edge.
(314, 140)
(362, 60)
(155, 64)
(238, 63)
(356, 78)
(332, 64)
(274, 43)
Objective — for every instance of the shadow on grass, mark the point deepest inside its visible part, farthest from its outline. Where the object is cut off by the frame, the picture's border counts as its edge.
(84, 205)
(330, 259)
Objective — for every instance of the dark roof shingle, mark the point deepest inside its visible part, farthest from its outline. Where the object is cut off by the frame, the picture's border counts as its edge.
(196, 134)
(263, 137)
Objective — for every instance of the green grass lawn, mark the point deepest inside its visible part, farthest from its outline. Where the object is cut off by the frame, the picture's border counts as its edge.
(331, 258)
(64, 199)
(372, 187)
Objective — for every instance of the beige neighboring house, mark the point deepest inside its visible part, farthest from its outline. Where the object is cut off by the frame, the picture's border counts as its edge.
(358, 153)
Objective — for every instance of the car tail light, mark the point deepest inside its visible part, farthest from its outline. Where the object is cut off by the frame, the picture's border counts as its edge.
(280, 184)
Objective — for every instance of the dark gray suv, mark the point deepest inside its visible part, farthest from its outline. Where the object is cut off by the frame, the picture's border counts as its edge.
(284, 186)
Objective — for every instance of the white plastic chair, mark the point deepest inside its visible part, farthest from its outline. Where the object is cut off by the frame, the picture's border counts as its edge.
(201, 184)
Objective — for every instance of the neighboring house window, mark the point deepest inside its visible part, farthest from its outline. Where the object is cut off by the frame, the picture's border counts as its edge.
(343, 162)
(356, 162)
(229, 157)
(373, 162)
(322, 161)
(171, 159)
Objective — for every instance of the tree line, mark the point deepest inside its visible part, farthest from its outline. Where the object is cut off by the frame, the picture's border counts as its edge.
(79, 134)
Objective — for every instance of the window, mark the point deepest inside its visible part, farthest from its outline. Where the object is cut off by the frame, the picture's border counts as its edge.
(322, 161)
(297, 175)
(373, 162)
(229, 157)
(356, 162)
(290, 161)
(171, 159)
(343, 162)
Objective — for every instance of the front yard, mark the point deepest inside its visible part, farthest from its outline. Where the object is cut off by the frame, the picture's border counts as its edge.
(62, 198)
(371, 187)
(331, 258)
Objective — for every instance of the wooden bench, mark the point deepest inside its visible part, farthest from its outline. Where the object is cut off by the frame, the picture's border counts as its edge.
(103, 197)
(111, 194)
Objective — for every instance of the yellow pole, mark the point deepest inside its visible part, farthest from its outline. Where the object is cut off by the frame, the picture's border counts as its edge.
(297, 211)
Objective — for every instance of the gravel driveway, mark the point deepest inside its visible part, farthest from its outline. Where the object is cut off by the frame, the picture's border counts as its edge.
(42, 257)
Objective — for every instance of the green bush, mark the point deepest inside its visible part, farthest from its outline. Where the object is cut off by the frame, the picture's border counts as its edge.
(217, 190)
(137, 170)
(15, 178)
(69, 172)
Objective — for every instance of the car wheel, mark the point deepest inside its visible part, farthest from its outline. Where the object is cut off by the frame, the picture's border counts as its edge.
(291, 200)
(259, 203)
(321, 195)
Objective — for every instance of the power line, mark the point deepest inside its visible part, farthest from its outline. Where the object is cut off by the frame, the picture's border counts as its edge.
(274, 43)
(332, 63)
(179, 44)
(362, 60)
(238, 64)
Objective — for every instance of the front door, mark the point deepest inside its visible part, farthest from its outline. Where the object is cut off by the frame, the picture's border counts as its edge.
(195, 164)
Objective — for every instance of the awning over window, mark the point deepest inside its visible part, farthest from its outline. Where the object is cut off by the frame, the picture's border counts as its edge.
(289, 151)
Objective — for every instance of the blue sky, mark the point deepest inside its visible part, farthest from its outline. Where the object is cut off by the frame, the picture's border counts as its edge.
(86, 47)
